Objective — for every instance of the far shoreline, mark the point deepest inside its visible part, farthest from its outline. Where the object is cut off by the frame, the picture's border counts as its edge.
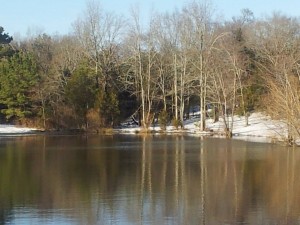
(261, 128)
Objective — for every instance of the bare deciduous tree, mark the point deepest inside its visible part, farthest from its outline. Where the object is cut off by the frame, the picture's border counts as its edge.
(277, 43)
(99, 34)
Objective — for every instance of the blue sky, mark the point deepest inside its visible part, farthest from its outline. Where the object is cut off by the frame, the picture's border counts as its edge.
(56, 16)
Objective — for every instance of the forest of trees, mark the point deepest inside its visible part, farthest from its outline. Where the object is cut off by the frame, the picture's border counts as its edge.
(110, 68)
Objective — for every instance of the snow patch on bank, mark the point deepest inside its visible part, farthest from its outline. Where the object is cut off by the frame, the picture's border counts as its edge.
(260, 126)
(11, 129)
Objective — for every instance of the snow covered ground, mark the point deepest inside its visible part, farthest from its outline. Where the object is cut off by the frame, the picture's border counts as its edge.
(260, 128)
(11, 129)
(259, 125)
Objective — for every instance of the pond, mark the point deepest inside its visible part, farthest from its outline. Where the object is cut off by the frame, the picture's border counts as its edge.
(127, 179)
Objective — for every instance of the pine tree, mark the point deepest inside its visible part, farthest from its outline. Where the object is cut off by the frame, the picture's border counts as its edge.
(4, 38)
(18, 75)
(5, 48)
(80, 93)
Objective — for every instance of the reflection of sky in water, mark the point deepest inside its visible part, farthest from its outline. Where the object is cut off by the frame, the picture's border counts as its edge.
(31, 216)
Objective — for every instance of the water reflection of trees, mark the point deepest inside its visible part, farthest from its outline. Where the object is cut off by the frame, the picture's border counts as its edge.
(165, 180)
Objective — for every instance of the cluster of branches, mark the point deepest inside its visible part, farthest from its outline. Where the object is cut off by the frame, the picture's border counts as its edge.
(109, 68)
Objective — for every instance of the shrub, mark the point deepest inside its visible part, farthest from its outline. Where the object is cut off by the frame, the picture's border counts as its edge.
(163, 119)
(176, 123)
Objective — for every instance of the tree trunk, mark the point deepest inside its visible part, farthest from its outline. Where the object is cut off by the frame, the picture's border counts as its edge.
(216, 114)
(202, 87)
(175, 88)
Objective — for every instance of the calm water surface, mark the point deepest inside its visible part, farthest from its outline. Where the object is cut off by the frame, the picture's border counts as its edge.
(147, 180)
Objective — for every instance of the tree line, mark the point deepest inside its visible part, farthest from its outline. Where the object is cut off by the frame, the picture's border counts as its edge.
(110, 68)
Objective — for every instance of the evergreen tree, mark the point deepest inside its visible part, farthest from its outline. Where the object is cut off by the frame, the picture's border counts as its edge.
(5, 48)
(108, 105)
(4, 38)
(18, 75)
(80, 93)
